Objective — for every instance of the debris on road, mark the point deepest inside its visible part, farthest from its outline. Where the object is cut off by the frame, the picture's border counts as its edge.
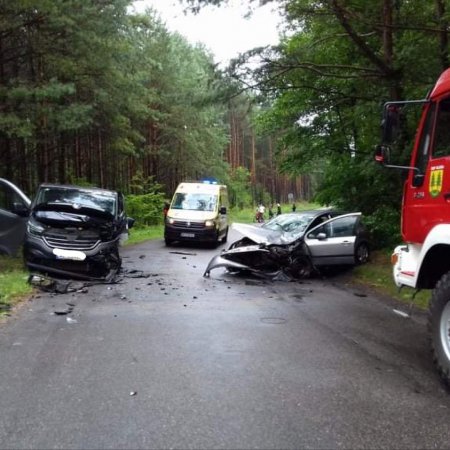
(65, 311)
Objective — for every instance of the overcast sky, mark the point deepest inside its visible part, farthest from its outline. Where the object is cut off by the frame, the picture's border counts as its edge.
(225, 31)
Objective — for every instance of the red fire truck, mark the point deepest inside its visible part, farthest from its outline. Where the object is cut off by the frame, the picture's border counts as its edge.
(423, 261)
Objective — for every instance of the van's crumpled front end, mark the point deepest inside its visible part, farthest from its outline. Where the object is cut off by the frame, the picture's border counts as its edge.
(76, 234)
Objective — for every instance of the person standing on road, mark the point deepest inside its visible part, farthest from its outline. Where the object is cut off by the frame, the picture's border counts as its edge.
(278, 209)
(260, 213)
(293, 207)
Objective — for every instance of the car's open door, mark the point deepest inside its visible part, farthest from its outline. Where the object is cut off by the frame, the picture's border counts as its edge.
(333, 243)
(14, 212)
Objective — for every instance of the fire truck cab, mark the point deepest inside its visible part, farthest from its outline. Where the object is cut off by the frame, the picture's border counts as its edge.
(423, 261)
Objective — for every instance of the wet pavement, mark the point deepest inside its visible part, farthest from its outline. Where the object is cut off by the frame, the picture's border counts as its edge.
(165, 358)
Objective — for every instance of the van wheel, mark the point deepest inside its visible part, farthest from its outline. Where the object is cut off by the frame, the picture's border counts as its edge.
(168, 242)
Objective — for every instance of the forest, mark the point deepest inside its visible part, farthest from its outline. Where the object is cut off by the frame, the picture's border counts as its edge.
(93, 93)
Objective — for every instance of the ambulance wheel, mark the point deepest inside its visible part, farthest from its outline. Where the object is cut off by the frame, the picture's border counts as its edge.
(439, 327)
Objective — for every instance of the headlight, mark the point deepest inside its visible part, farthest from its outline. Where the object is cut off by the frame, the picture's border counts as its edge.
(209, 223)
(35, 228)
(171, 220)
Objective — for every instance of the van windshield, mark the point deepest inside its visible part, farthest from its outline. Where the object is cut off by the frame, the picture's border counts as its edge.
(194, 202)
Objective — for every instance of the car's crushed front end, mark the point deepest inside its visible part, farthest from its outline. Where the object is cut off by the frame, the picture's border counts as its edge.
(267, 259)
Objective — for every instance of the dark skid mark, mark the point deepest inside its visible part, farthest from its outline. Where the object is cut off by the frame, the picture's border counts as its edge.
(184, 253)
(273, 320)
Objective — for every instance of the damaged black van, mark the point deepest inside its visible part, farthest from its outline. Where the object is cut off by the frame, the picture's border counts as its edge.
(75, 231)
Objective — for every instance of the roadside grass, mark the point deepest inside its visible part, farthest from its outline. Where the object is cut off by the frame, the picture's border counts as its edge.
(144, 234)
(13, 283)
(377, 274)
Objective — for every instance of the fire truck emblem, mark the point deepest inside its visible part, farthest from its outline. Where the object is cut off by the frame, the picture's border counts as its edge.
(436, 177)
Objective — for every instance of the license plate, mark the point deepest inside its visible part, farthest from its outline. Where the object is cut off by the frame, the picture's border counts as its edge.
(189, 235)
(73, 255)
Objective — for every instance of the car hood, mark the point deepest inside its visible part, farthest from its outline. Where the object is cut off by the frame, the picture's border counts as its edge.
(70, 215)
(261, 235)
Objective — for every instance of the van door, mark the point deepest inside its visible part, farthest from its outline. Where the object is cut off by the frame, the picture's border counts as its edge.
(223, 211)
(14, 211)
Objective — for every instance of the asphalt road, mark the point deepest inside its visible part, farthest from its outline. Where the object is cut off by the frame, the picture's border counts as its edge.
(174, 360)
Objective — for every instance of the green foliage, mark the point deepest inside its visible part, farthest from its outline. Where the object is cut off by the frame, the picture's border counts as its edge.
(239, 188)
(331, 75)
(358, 184)
(146, 206)
(384, 225)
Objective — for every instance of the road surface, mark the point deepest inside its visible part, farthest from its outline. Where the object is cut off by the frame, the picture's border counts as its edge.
(169, 359)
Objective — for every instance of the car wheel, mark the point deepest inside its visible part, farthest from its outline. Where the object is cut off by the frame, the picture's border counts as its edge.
(301, 267)
(168, 242)
(362, 253)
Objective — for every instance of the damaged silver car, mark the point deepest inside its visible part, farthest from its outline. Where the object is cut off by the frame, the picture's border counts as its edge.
(296, 244)
(73, 231)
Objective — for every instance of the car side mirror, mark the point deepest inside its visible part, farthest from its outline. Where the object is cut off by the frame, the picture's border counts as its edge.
(130, 222)
(321, 236)
(223, 210)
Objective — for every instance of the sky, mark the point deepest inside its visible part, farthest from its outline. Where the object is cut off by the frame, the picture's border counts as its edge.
(224, 31)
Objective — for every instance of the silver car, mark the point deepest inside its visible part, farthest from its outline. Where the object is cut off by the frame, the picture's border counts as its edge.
(297, 244)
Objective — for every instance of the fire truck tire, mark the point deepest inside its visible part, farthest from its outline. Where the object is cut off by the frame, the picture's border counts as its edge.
(439, 327)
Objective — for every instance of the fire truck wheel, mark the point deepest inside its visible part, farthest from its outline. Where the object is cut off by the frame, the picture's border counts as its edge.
(439, 327)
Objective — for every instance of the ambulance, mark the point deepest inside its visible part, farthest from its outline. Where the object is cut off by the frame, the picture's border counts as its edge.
(198, 213)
